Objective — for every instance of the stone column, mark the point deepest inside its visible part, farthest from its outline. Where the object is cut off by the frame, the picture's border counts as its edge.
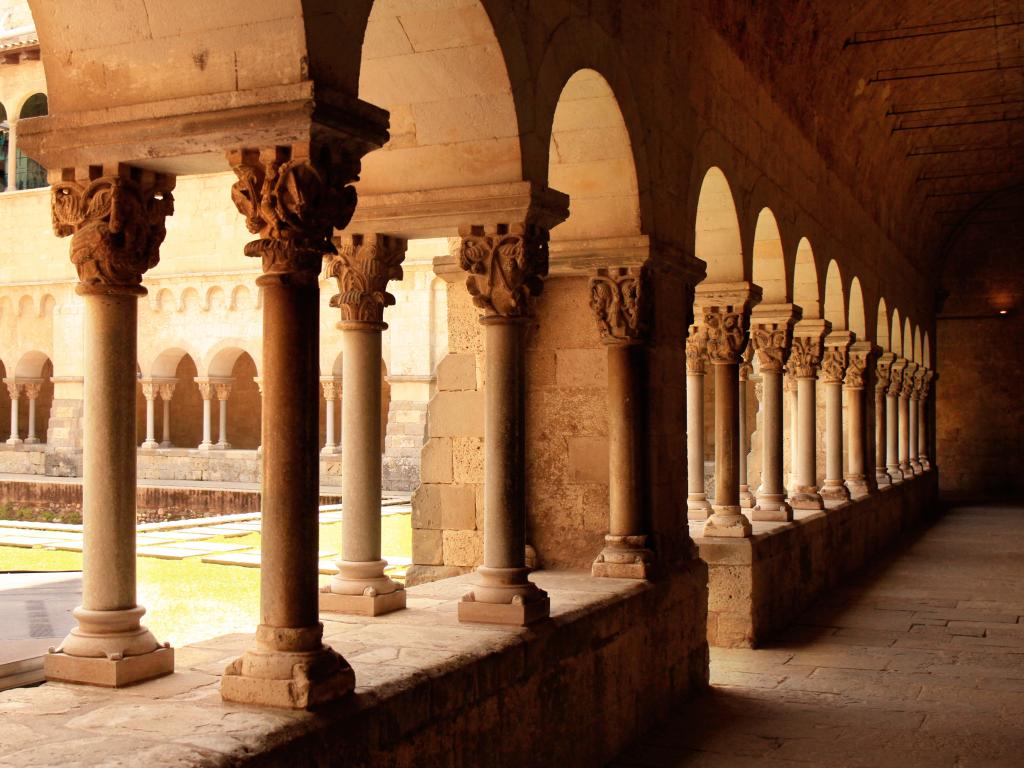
(117, 225)
(506, 266)
(789, 387)
(922, 420)
(725, 312)
(860, 474)
(223, 389)
(293, 197)
(258, 380)
(32, 389)
(206, 390)
(882, 380)
(892, 409)
(332, 393)
(618, 298)
(907, 387)
(804, 358)
(915, 413)
(833, 372)
(150, 389)
(697, 505)
(166, 393)
(746, 497)
(770, 338)
(363, 267)
(14, 390)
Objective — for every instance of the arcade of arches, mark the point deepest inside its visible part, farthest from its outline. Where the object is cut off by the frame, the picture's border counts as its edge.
(651, 309)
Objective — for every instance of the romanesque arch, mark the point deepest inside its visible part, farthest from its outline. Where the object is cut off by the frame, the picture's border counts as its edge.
(806, 290)
(835, 300)
(717, 230)
(769, 260)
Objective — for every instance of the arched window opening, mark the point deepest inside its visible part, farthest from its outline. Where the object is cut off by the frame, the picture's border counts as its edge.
(28, 173)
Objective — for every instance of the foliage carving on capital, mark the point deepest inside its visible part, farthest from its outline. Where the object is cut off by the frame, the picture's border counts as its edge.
(167, 391)
(363, 267)
(895, 379)
(14, 389)
(206, 389)
(696, 350)
(150, 389)
(883, 372)
(293, 203)
(332, 390)
(833, 364)
(223, 390)
(770, 343)
(856, 368)
(746, 367)
(804, 356)
(909, 374)
(116, 226)
(618, 299)
(506, 268)
(725, 328)
(789, 382)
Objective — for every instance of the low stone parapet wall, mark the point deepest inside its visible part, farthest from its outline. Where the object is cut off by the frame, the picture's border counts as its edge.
(758, 585)
(615, 657)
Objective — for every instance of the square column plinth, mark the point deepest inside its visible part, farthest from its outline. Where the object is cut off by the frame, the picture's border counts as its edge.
(517, 614)
(109, 673)
(362, 605)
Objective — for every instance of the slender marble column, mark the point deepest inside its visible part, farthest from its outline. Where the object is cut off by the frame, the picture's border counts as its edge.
(363, 267)
(32, 389)
(149, 391)
(288, 664)
(166, 393)
(833, 371)
(922, 420)
(258, 380)
(904, 419)
(506, 267)
(804, 358)
(332, 389)
(206, 390)
(770, 339)
(892, 430)
(697, 505)
(110, 647)
(746, 497)
(14, 389)
(915, 404)
(882, 382)
(223, 389)
(618, 299)
(725, 312)
(859, 480)
(789, 387)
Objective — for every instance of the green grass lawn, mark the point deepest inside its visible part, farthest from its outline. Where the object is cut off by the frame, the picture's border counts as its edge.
(189, 600)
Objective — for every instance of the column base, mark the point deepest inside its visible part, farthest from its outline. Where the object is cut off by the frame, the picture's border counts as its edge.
(727, 522)
(504, 596)
(772, 509)
(362, 589)
(916, 465)
(150, 445)
(834, 490)
(31, 441)
(109, 673)
(907, 470)
(14, 441)
(806, 497)
(166, 444)
(882, 478)
(222, 446)
(287, 679)
(747, 500)
(858, 486)
(624, 557)
(205, 447)
(330, 450)
(895, 473)
(698, 508)
(925, 464)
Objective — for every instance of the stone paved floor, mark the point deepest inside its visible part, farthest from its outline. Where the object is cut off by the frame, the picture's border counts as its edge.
(918, 663)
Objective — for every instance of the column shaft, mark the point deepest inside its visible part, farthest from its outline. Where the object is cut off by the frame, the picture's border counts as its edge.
(892, 457)
(915, 458)
(166, 442)
(150, 441)
(207, 442)
(329, 442)
(805, 495)
(903, 425)
(922, 433)
(794, 432)
(856, 479)
(746, 497)
(31, 437)
(698, 507)
(771, 495)
(15, 438)
(834, 487)
(881, 441)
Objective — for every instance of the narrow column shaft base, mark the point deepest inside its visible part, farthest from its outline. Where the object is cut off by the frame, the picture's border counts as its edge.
(857, 485)
(166, 444)
(504, 596)
(895, 473)
(14, 441)
(925, 464)
(110, 673)
(835, 490)
(205, 447)
(31, 441)
(150, 445)
(330, 450)
(362, 605)
(698, 507)
(906, 469)
(362, 589)
(727, 522)
(806, 497)
(882, 478)
(747, 499)
(623, 557)
(290, 679)
(222, 446)
(771, 508)
(914, 463)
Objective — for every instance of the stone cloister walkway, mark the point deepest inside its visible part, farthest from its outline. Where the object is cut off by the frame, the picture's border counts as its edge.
(918, 663)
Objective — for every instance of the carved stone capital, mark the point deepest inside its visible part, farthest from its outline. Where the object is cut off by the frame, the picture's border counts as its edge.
(926, 382)
(861, 356)
(789, 382)
(13, 388)
(363, 266)
(293, 197)
(920, 382)
(771, 333)
(896, 376)
(883, 371)
(116, 224)
(908, 380)
(150, 389)
(836, 357)
(32, 389)
(807, 348)
(331, 389)
(696, 350)
(725, 330)
(619, 301)
(206, 389)
(167, 390)
(746, 367)
(223, 390)
(507, 265)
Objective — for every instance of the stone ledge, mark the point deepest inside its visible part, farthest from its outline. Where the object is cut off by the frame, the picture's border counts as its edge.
(428, 689)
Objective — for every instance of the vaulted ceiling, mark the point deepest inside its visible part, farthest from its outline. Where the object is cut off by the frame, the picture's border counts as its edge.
(917, 104)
